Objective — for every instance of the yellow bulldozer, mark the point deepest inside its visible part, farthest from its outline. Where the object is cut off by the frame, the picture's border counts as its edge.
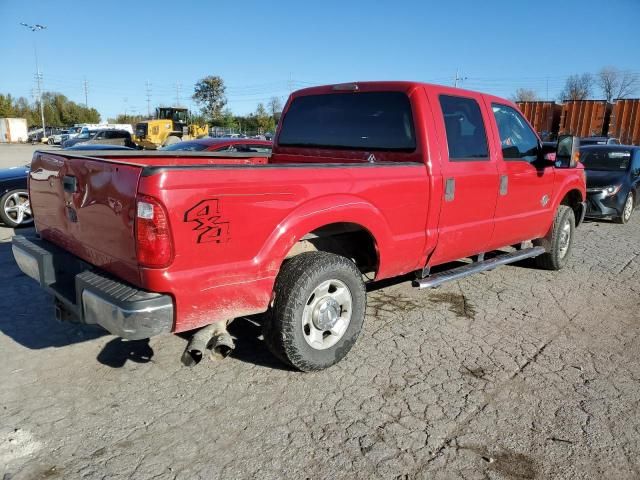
(170, 125)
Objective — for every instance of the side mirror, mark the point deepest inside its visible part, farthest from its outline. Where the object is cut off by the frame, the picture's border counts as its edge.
(568, 151)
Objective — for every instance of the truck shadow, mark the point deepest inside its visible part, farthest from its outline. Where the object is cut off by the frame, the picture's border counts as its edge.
(118, 351)
(250, 346)
(26, 312)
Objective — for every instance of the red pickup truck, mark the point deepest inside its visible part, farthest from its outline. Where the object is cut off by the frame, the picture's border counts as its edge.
(366, 181)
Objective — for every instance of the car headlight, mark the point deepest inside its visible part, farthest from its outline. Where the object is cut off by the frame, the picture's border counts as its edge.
(612, 190)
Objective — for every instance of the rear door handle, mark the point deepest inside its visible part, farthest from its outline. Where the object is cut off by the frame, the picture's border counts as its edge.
(504, 184)
(449, 189)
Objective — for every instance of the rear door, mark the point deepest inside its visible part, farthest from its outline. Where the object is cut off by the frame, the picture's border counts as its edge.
(524, 205)
(469, 174)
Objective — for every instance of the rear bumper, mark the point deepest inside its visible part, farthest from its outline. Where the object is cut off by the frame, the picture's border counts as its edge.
(84, 295)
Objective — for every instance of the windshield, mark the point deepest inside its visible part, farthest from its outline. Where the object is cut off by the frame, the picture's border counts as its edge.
(608, 160)
(185, 147)
(86, 134)
(363, 121)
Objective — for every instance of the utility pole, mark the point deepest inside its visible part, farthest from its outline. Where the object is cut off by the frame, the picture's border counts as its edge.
(85, 84)
(458, 79)
(36, 28)
(148, 90)
(178, 85)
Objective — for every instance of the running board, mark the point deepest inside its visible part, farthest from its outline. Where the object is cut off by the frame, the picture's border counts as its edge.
(438, 279)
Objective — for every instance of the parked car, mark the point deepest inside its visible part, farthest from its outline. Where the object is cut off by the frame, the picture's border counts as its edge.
(585, 141)
(15, 209)
(367, 181)
(102, 137)
(56, 138)
(94, 147)
(613, 180)
(209, 144)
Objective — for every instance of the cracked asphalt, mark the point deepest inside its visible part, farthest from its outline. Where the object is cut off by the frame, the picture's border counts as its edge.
(516, 373)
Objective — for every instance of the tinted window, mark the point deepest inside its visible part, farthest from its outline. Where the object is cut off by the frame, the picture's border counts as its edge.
(605, 159)
(466, 135)
(253, 148)
(518, 141)
(364, 121)
(186, 147)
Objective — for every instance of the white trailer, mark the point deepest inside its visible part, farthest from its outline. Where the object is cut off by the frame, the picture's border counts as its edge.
(13, 130)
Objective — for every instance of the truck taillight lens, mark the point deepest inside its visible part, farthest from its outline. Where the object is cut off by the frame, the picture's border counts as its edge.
(154, 246)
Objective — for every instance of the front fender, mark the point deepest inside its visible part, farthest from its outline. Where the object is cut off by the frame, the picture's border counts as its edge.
(320, 212)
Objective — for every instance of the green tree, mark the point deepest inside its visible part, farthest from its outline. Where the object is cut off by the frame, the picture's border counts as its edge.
(209, 93)
(275, 108)
(264, 121)
(7, 106)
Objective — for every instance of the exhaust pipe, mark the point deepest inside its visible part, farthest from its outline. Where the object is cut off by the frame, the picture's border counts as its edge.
(213, 337)
(222, 346)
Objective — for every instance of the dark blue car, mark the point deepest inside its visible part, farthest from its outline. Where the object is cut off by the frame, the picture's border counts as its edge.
(613, 180)
(14, 197)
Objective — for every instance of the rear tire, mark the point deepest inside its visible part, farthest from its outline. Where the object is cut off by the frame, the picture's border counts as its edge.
(171, 140)
(559, 242)
(627, 210)
(318, 311)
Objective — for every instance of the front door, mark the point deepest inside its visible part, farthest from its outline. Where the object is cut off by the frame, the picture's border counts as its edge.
(470, 177)
(524, 208)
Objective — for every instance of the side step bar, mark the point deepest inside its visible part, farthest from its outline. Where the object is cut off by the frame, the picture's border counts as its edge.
(438, 279)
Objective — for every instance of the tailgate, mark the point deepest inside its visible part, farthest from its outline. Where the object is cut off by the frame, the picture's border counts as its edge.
(87, 207)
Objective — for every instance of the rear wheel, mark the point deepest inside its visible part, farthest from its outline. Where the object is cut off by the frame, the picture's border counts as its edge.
(559, 241)
(171, 140)
(318, 311)
(627, 210)
(15, 208)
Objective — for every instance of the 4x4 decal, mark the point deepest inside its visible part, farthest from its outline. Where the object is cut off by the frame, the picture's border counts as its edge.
(207, 214)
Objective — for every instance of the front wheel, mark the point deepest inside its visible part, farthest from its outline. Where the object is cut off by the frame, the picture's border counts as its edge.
(318, 311)
(559, 240)
(627, 210)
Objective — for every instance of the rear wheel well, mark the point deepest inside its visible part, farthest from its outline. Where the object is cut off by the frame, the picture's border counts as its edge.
(573, 199)
(349, 240)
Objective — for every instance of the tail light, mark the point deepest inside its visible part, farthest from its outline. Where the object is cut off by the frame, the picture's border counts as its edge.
(154, 246)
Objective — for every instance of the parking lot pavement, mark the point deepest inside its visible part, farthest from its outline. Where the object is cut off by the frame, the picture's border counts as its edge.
(14, 155)
(516, 373)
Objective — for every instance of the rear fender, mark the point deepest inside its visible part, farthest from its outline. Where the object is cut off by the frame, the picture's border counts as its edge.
(318, 213)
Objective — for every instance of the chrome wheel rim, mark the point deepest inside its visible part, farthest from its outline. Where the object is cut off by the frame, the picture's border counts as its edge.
(327, 314)
(18, 208)
(628, 208)
(565, 238)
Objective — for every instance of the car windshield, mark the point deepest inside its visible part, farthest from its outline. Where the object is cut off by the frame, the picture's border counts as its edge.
(608, 160)
(86, 135)
(186, 147)
(365, 121)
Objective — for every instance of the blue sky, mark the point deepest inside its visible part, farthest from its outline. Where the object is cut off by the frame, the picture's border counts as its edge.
(262, 49)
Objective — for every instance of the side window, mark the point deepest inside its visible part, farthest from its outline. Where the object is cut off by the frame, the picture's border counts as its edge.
(635, 166)
(466, 136)
(100, 135)
(518, 141)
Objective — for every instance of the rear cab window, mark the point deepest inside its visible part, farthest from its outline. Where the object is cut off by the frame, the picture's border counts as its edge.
(466, 133)
(380, 121)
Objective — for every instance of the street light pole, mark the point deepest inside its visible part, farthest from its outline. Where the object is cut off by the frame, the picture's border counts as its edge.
(35, 28)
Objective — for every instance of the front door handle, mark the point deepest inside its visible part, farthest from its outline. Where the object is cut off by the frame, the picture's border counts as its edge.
(504, 184)
(449, 189)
